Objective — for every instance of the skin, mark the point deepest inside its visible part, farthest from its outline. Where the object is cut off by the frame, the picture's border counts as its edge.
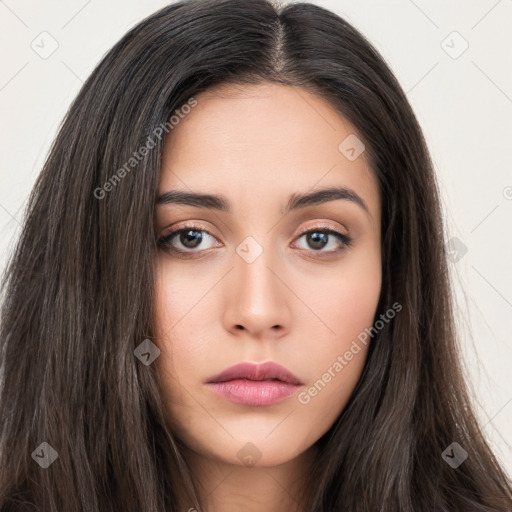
(256, 145)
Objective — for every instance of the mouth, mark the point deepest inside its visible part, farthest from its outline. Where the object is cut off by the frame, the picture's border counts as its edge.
(255, 384)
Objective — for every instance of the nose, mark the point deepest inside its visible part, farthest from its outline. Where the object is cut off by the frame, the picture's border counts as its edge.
(257, 298)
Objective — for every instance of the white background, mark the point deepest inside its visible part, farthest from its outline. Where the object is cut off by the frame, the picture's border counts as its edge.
(464, 105)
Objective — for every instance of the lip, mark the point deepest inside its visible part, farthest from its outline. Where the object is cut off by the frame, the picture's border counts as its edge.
(254, 384)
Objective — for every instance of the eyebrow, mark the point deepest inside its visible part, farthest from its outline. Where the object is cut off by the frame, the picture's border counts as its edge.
(295, 202)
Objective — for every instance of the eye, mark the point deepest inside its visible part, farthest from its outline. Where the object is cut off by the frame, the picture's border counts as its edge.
(321, 237)
(194, 237)
(188, 238)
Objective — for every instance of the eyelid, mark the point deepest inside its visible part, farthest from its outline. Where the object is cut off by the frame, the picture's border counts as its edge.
(188, 225)
(321, 225)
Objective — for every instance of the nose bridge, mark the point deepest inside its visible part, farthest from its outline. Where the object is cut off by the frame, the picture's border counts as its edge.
(256, 296)
(253, 266)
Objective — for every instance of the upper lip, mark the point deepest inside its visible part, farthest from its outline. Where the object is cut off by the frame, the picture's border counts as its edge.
(252, 371)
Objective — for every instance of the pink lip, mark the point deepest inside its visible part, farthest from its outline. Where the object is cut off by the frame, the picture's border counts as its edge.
(254, 384)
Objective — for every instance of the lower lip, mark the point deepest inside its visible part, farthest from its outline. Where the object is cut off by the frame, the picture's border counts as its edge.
(254, 393)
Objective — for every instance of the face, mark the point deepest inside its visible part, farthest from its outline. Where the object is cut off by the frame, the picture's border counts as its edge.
(258, 279)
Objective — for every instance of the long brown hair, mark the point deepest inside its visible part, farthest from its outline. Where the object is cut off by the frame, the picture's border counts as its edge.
(78, 290)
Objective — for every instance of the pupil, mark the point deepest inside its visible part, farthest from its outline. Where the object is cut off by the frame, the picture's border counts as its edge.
(317, 240)
(186, 237)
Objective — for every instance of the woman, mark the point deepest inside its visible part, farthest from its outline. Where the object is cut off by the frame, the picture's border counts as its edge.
(231, 290)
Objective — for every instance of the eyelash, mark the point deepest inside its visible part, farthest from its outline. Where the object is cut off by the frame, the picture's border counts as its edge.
(165, 242)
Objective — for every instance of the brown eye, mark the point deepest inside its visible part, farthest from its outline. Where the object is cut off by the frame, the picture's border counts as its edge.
(318, 239)
(190, 238)
(186, 240)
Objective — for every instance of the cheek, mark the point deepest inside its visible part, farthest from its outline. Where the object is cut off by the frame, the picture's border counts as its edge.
(348, 302)
(171, 322)
(182, 306)
(345, 297)
(352, 303)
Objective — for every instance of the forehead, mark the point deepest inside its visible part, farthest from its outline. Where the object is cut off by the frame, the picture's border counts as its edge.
(262, 143)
